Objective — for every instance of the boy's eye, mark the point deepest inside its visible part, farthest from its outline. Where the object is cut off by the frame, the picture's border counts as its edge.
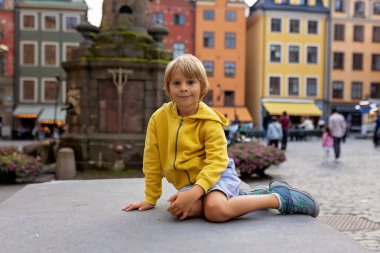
(191, 82)
(175, 83)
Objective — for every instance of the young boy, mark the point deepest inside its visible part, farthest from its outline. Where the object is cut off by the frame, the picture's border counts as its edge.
(185, 142)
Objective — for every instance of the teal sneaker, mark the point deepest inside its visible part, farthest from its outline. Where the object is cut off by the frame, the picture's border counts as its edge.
(294, 200)
(255, 191)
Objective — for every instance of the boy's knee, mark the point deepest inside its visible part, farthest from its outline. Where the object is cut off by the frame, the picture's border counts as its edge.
(215, 212)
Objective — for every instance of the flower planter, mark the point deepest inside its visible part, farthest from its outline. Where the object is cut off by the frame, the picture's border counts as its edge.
(7, 177)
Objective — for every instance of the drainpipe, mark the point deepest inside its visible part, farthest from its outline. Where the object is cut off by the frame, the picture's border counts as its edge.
(328, 52)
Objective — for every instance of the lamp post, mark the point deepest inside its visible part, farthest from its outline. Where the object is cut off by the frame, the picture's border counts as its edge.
(59, 80)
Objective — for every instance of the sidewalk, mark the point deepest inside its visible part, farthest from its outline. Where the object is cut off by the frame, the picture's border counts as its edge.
(86, 216)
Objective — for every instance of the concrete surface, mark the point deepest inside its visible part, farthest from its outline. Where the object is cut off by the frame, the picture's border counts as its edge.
(86, 216)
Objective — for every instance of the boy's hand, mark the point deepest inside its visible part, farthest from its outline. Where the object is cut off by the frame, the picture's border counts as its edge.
(181, 202)
(141, 206)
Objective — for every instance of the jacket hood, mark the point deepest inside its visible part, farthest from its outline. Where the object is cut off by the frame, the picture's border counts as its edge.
(204, 112)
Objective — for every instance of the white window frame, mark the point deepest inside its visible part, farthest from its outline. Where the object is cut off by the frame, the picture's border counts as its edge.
(305, 82)
(22, 43)
(318, 28)
(268, 84)
(64, 48)
(21, 84)
(48, 79)
(270, 24)
(50, 43)
(52, 14)
(70, 15)
(26, 13)
(299, 53)
(300, 23)
(287, 85)
(318, 52)
(275, 43)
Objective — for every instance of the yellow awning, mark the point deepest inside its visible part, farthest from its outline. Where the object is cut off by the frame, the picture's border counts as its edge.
(27, 111)
(293, 109)
(230, 112)
(51, 113)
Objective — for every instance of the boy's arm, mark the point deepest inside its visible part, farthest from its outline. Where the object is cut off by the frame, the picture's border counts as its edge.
(216, 160)
(152, 166)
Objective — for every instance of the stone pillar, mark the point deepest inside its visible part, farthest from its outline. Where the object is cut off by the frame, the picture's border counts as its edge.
(66, 168)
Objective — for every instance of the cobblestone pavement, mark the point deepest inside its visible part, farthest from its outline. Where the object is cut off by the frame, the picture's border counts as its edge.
(350, 188)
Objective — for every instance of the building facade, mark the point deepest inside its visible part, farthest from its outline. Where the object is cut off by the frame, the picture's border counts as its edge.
(178, 17)
(45, 38)
(220, 42)
(355, 57)
(6, 66)
(286, 70)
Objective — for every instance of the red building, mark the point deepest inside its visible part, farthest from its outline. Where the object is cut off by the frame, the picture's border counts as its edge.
(178, 17)
(6, 66)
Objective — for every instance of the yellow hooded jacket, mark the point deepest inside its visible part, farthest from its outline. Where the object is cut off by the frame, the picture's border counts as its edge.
(186, 150)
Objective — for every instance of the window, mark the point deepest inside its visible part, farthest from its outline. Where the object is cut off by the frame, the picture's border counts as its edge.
(338, 32)
(1, 33)
(158, 18)
(311, 87)
(208, 39)
(50, 54)
(230, 15)
(230, 40)
(178, 49)
(304, 2)
(229, 98)
(209, 67)
(68, 49)
(29, 53)
(2, 65)
(2, 95)
(294, 26)
(359, 8)
(275, 53)
(208, 15)
(311, 55)
(229, 69)
(293, 86)
(357, 61)
(50, 90)
(71, 23)
(376, 62)
(338, 60)
(294, 54)
(208, 98)
(29, 22)
(28, 89)
(337, 89)
(359, 33)
(274, 85)
(376, 34)
(179, 19)
(375, 90)
(339, 5)
(312, 27)
(50, 22)
(275, 25)
(356, 90)
(376, 8)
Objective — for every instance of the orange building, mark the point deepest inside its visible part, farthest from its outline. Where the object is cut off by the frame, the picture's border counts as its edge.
(220, 37)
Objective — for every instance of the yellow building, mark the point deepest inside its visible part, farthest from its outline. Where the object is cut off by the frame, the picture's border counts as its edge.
(355, 56)
(286, 45)
(220, 37)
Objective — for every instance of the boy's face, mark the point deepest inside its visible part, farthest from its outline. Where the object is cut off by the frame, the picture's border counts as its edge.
(185, 93)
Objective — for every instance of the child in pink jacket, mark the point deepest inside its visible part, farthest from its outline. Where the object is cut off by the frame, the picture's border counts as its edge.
(327, 143)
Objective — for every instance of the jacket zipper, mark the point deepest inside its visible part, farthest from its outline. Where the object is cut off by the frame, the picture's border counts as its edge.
(175, 150)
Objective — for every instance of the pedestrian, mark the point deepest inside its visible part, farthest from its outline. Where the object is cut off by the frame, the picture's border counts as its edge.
(266, 121)
(376, 132)
(337, 126)
(274, 132)
(285, 125)
(185, 143)
(327, 143)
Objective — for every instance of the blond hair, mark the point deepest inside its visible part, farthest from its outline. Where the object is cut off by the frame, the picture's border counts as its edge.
(191, 67)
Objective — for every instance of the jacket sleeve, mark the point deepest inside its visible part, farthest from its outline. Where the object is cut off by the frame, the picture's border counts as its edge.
(152, 166)
(216, 160)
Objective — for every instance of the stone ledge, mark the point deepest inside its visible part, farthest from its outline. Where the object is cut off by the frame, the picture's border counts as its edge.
(86, 216)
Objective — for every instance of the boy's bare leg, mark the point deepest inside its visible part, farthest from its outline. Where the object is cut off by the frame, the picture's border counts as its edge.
(196, 210)
(217, 208)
